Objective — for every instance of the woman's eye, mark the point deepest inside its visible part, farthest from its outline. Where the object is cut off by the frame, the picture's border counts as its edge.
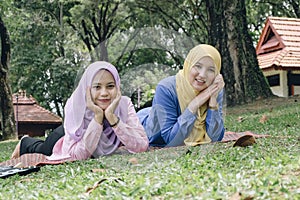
(96, 86)
(111, 86)
(198, 67)
(211, 69)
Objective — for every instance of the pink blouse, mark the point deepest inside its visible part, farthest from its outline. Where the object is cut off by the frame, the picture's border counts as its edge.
(94, 142)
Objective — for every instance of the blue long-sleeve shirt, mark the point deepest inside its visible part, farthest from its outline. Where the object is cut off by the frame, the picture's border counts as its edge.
(164, 123)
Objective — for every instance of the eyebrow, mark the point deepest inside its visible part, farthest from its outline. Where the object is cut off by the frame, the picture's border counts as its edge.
(201, 64)
(96, 83)
(197, 64)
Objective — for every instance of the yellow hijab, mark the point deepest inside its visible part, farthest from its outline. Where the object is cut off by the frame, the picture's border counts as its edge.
(186, 93)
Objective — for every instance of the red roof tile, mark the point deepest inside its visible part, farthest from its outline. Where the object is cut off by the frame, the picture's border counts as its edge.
(279, 44)
(30, 112)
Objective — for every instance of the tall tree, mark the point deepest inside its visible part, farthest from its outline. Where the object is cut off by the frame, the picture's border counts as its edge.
(96, 21)
(222, 24)
(45, 57)
(228, 31)
(185, 17)
(7, 110)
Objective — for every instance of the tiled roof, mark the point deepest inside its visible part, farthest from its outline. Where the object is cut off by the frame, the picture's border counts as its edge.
(279, 44)
(30, 112)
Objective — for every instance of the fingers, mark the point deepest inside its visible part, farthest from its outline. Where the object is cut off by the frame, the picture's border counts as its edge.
(216, 87)
(118, 97)
(118, 94)
(213, 90)
(219, 78)
(88, 96)
(93, 107)
(219, 81)
(89, 101)
(109, 111)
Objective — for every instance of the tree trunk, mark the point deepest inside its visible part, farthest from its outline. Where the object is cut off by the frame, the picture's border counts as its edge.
(229, 33)
(7, 110)
(103, 51)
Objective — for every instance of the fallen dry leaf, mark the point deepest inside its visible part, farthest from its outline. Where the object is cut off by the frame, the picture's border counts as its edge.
(240, 119)
(98, 170)
(244, 141)
(133, 161)
(239, 196)
(263, 119)
(236, 196)
(90, 189)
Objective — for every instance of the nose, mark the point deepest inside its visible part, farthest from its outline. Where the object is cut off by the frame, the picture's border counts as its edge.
(201, 71)
(103, 92)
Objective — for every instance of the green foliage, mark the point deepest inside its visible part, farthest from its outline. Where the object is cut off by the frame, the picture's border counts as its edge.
(186, 17)
(140, 81)
(148, 55)
(49, 44)
(45, 59)
(267, 170)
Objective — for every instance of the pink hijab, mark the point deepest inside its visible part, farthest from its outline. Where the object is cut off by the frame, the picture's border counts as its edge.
(77, 115)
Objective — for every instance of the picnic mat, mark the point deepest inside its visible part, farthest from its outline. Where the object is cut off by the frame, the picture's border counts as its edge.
(35, 159)
(233, 136)
(31, 159)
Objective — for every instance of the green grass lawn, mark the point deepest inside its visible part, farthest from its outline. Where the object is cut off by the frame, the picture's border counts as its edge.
(270, 169)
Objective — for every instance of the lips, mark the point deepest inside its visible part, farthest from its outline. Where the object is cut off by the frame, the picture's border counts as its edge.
(200, 82)
(104, 100)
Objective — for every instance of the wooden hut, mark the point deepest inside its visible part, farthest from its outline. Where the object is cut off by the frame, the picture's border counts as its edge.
(31, 118)
(278, 54)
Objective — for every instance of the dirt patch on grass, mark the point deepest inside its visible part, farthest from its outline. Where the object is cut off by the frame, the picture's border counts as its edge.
(265, 104)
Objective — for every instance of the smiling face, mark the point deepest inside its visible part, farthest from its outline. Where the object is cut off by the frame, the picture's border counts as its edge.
(104, 89)
(202, 74)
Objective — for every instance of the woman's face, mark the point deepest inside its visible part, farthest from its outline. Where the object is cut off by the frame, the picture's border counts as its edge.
(202, 74)
(104, 89)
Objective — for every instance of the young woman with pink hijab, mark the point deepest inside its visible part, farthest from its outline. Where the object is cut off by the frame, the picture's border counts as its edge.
(97, 121)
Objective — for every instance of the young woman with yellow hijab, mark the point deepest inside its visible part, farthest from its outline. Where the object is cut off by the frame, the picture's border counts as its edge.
(187, 107)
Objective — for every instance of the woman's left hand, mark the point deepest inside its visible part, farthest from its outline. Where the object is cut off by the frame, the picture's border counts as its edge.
(219, 81)
(109, 111)
(219, 84)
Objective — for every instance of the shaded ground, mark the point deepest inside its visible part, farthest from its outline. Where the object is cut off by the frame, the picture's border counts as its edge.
(260, 104)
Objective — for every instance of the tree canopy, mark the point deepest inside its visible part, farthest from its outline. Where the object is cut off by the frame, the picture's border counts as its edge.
(52, 41)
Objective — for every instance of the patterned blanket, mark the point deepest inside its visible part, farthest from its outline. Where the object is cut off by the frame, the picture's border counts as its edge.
(36, 159)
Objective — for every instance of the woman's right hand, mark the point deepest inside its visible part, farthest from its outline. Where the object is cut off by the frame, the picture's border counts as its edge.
(215, 89)
(210, 93)
(109, 111)
(218, 85)
(99, 113)
(201, 99)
